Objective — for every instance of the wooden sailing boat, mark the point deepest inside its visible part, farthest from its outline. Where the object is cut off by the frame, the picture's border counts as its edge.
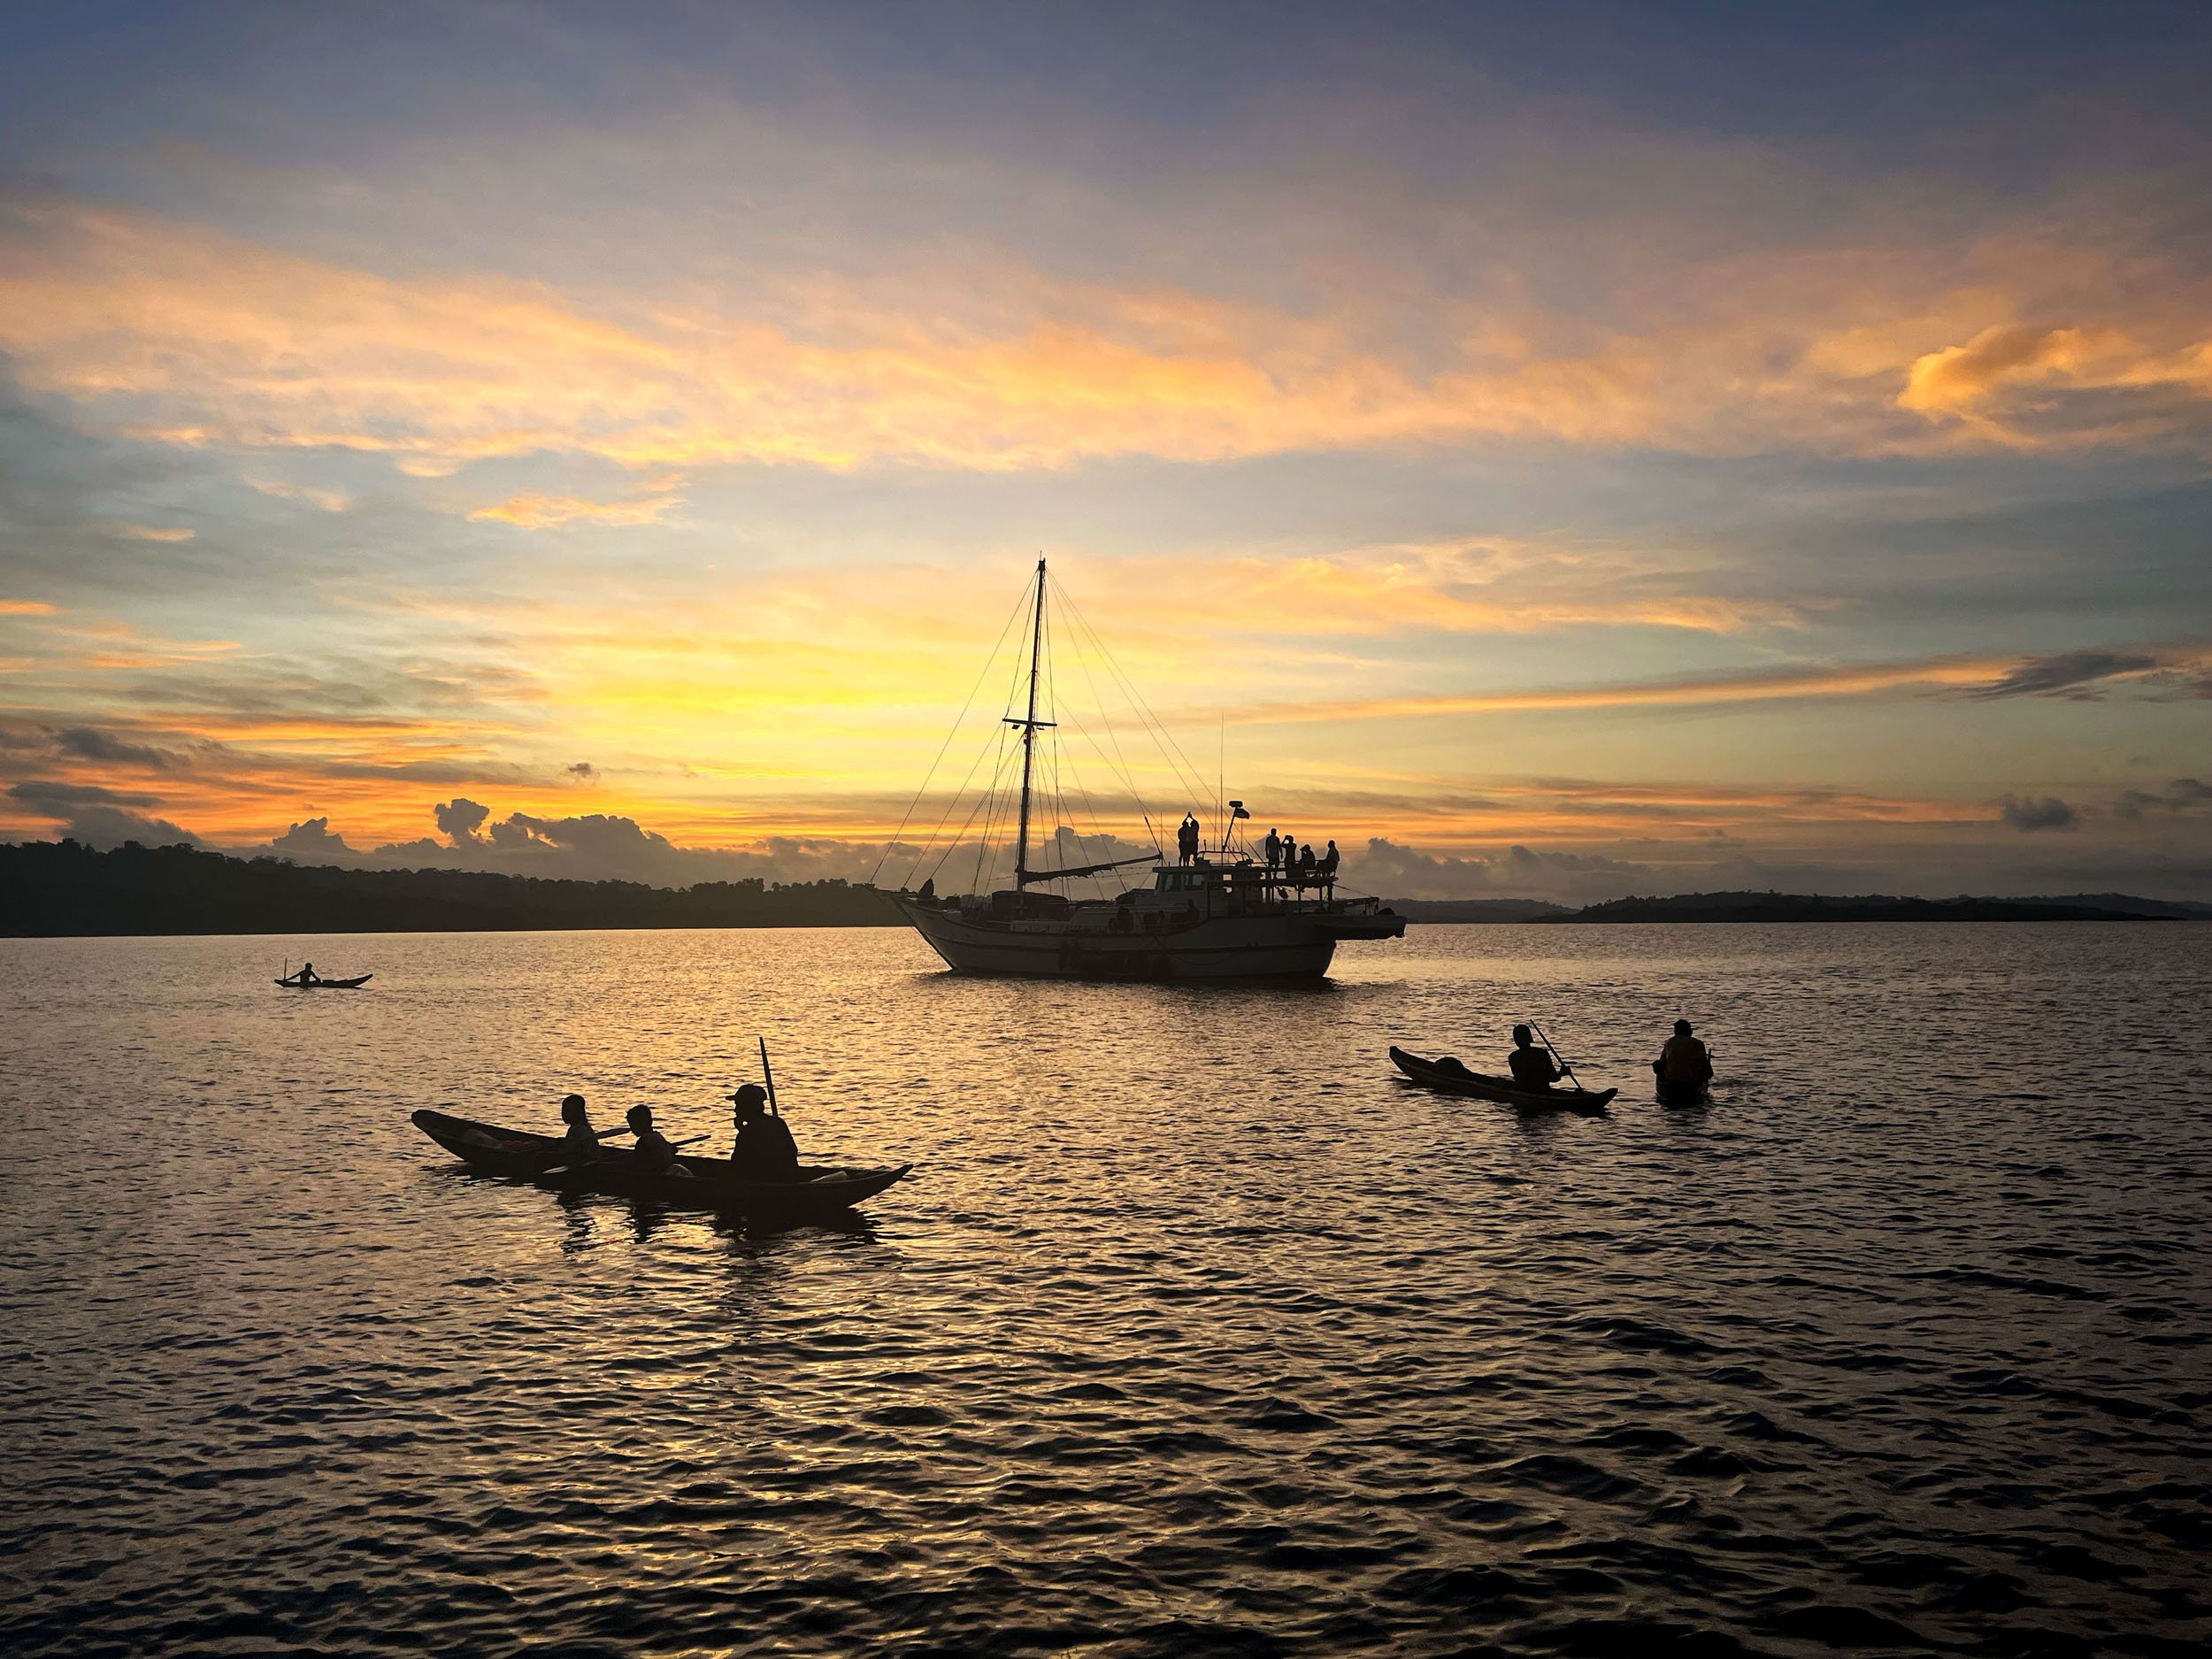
(1215, 915)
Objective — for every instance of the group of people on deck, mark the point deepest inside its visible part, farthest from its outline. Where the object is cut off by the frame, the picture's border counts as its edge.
(1295, 866)
(761, 1151)
(1300, 866)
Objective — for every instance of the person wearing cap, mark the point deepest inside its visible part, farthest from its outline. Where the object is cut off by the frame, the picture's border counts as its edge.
(1683, 1060)
(655, 1154)
(1530, 1066)
(763, 1149)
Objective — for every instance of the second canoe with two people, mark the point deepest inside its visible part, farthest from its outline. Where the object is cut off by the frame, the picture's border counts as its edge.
(1683, 1070)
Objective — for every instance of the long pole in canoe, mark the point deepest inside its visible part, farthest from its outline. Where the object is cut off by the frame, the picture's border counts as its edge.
(1556, 1058)
(770, 1076)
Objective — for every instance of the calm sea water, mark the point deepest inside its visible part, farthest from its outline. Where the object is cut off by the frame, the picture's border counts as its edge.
(1195, 1331)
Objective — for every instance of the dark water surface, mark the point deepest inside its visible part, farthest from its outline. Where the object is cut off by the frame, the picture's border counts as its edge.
(1193, 1333)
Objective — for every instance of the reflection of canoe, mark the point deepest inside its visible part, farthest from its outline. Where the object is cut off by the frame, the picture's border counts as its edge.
(707, 1182)
(354, 984)
(1452, 1077)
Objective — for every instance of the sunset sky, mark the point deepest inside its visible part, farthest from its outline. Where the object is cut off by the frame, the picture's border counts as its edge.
(1695, 447)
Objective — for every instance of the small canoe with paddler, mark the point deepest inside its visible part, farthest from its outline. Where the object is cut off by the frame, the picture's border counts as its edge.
(308, 980)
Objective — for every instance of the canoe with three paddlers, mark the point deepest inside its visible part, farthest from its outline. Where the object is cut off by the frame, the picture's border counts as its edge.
(296, 983)
(705, 1182)
(1448, 1076)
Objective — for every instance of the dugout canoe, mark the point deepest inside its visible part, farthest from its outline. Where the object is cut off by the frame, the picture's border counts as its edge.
(354, 984)
(708, 1183)
(1447, 1076)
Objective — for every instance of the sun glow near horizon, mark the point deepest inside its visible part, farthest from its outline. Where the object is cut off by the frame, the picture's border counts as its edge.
(1696, 498)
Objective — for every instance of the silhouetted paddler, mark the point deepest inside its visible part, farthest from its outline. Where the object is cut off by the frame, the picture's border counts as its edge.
(1530, 1066)
(1683, 1060)
(581, 1142)
(654, 1154)
(763, 1149)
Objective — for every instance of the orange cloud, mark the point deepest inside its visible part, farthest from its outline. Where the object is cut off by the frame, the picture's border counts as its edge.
(186, 336)
(152, 533)
(25, 608)
(2001, 380)
(545, 513)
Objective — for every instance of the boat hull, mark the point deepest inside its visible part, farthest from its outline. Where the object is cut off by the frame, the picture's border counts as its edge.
(354, 984)
(1295, 946)
(1448, 1081)
(706, 1183)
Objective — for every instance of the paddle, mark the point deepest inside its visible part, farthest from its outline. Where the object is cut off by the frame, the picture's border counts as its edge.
(770, 1076)
(1556, 1059)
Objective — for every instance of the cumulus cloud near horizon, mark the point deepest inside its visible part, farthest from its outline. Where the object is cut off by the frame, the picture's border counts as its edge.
(100, 817)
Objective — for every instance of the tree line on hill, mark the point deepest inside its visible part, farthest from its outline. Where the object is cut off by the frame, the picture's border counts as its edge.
(50, 889)
(55, 888)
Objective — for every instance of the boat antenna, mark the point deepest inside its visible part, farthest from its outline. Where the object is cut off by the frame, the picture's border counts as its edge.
(1029, 733)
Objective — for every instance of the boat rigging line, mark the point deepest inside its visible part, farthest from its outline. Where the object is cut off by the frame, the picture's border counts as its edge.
(1049, 784)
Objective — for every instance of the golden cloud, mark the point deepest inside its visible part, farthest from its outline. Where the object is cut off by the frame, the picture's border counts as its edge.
(2001, 381)
(545, 513)
(183, 335)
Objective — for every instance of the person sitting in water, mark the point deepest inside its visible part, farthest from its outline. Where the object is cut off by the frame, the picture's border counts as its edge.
(1530, 1066)
(654, 1154)
(581, 1142)
(763, 1149)
(1683, 1060)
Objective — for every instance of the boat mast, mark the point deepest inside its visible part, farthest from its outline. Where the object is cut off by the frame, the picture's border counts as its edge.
(1029, 733)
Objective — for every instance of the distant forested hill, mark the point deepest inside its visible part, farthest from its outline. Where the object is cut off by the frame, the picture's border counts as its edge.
(50, 889)
(1478, 909)
(1800, 907)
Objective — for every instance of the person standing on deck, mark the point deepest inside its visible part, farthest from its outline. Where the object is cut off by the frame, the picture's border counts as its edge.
(1290, 857)
(1530, 1066)
(1272, 847)
(1326, 868)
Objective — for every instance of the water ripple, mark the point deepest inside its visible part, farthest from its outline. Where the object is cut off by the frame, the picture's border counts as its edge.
(1195, 1333)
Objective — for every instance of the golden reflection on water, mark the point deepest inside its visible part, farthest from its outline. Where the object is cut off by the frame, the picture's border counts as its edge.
(1195, 1328)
